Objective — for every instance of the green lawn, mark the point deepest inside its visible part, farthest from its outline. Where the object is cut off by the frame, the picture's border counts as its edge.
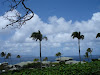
(92, 68)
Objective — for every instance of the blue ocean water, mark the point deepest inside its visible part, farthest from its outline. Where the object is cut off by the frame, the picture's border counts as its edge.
(15, 60)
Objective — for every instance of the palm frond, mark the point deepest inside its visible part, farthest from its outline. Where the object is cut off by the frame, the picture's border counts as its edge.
(82, 37)
(34, 36)
(89, 50)
(45, 38)
(98, 35)
(38, 36)
(77, 35)
(74, 35)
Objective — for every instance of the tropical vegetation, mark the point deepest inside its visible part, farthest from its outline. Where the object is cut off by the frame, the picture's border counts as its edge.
(58, 55)
(45, 59)
(88, 68)
(19, 57)
(79, 37)
(36, 60)
(89, 50)
(91, 68)
(38, 36)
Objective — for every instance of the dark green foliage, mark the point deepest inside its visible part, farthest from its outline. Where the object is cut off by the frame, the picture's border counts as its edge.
(95, 60)
(36, 60)
(45, 59)
(1, 67)
(62, 62)
(91, 68)
(98, 35)
(32, 65)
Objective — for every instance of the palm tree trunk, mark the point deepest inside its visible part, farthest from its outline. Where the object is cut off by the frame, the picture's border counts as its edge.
(20, 59)
(4, 59)
(91, 56)
(79, 49)
(11, 60)
(40, 55)
(60, 58)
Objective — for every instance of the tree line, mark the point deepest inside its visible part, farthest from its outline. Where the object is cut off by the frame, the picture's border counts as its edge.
(39, 37)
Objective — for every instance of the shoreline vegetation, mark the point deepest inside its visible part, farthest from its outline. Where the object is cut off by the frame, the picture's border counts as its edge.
(61, 68)
(61, 63)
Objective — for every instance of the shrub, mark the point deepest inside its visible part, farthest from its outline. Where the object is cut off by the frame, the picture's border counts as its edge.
(94, 59)
(32, 65)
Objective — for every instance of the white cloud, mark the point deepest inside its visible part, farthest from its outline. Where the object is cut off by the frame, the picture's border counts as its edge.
(58, 31)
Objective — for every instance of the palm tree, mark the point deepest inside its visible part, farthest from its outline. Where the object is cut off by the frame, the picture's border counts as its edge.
(9, 54)
(18, 56)
(98, 35)
(78, 36)
(45, 59)
(90, 51)
(58, 55)
(87, 55)
(38, 36)
(3, 55)
(35, 60)
(7, 57)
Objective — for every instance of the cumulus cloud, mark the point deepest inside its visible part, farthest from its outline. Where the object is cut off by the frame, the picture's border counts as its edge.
(58, 31)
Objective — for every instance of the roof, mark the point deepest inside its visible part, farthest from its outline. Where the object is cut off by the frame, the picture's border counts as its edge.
(64, 58)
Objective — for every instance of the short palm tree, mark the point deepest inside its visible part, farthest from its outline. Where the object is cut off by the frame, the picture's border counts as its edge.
(87, 55)
(38, 36)
(3, 55)
(18, 56)
(58, 55)
(78, 36)
(89, 50)
(35, 60)
(8, 56)
(45, 59)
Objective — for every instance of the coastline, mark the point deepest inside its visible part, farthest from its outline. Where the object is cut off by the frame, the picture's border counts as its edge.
(50, 58)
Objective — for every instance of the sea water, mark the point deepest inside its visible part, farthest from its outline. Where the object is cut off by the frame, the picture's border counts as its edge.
(14, 60)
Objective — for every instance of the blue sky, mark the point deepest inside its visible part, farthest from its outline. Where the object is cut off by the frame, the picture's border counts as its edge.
(69, 9)
(56, 19)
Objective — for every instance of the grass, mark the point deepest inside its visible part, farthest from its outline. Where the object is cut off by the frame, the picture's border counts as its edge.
(91, 68)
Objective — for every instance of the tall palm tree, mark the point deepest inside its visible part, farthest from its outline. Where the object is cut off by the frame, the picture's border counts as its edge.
(18, 56)
(3, 55)
(38, 36)
(98, 35)
(78, 36)
(89, 50)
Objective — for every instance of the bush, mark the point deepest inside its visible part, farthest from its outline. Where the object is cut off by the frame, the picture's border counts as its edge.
(94, 59)
(62, 62)
(90, 68)
(32, 65)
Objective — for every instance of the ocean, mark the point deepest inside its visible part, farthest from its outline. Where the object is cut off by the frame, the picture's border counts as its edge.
(15, 60)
